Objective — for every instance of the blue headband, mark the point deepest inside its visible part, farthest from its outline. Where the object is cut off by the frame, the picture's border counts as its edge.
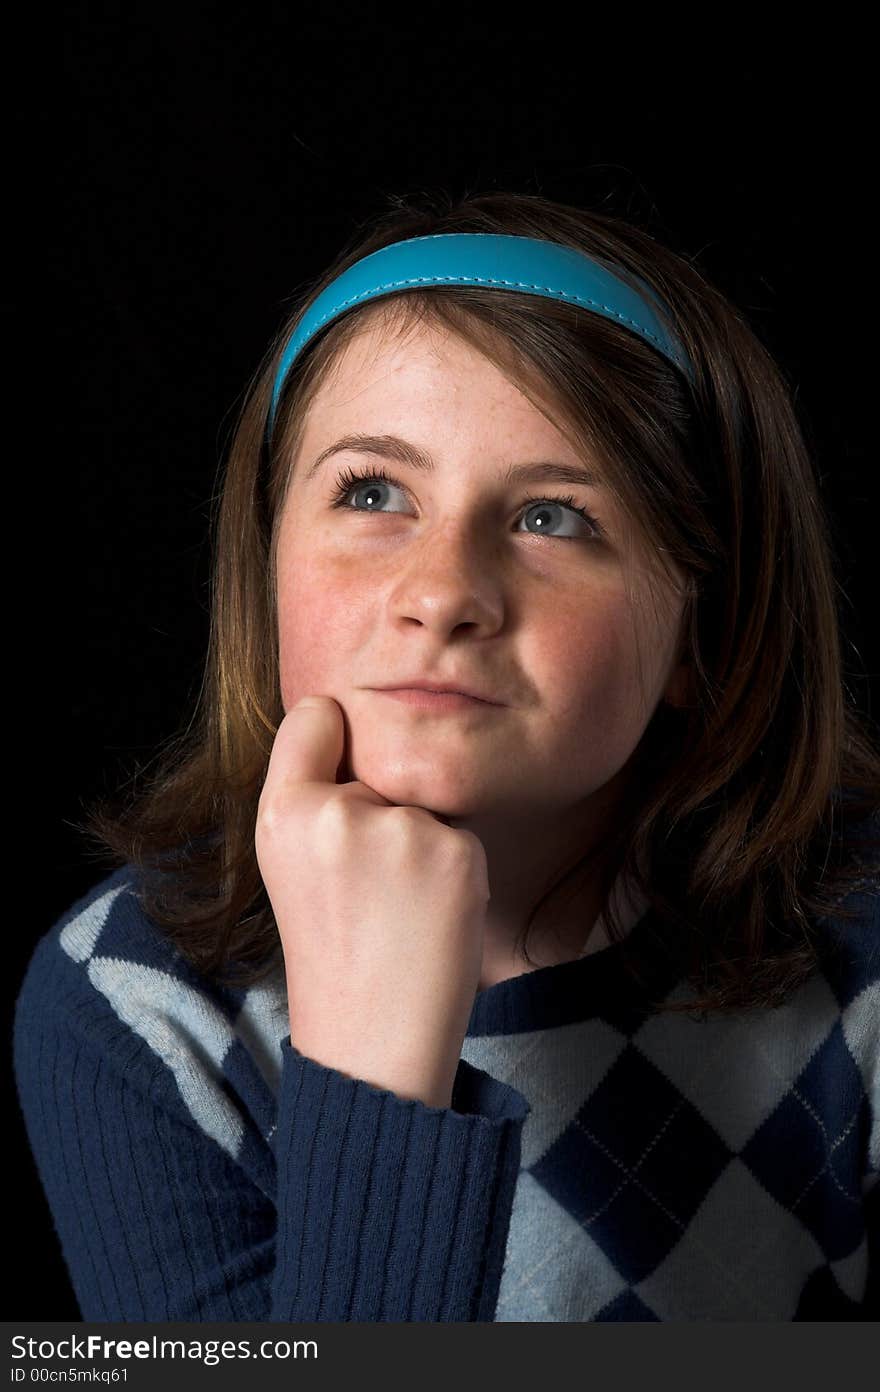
(529, 264)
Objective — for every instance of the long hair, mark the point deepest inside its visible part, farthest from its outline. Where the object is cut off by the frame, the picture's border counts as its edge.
(737, 820)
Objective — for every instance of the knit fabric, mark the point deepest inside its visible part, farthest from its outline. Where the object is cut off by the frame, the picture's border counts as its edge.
(598, 1161)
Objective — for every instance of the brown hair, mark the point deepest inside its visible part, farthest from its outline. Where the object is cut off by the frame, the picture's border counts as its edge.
(735, 820)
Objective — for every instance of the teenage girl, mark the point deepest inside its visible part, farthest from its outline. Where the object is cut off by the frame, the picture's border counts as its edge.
(501, 940)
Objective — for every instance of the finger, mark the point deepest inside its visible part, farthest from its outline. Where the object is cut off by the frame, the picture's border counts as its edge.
(308, 747)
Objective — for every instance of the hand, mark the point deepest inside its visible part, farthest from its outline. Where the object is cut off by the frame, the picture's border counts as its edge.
(381, 912)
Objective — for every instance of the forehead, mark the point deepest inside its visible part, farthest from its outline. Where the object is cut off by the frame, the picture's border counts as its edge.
(400, 368)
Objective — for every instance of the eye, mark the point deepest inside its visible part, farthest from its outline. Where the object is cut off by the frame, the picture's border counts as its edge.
(545, 505)
(348, 480)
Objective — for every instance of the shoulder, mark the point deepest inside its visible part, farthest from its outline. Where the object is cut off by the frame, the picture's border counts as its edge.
(109, 1008)
(106, 981)
(106, 925)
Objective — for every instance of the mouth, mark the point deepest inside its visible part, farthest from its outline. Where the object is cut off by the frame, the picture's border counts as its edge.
(435, 700)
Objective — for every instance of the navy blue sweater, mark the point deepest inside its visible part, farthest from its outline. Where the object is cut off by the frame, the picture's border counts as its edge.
(598, 1162)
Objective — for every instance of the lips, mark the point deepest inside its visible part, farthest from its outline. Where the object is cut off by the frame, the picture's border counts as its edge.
(437, 701)
(475, 692)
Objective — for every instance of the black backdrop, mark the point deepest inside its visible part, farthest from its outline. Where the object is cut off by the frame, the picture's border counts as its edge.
(193, 174)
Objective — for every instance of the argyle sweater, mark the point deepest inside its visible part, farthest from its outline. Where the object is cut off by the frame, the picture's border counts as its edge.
(597, 1162)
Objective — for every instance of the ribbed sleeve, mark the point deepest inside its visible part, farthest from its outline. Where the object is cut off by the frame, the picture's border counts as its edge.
(388, 1209)
(382, 1208)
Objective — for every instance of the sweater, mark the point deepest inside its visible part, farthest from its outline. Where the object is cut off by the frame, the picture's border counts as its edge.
(597, 1162)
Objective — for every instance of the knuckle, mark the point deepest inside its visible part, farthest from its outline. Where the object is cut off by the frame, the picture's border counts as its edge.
(465, 842)
(472, 854)
(335, 818)
(405, 816)
(271, 815)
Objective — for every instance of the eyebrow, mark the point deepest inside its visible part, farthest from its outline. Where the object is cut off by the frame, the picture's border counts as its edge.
(404, 452)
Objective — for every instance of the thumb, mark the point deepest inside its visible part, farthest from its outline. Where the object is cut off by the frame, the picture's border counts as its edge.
(309, 746)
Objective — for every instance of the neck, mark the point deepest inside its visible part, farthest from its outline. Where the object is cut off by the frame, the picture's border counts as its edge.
(525, 855)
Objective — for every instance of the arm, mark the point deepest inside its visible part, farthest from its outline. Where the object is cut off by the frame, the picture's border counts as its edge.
(392, 1210)
(383, 1208)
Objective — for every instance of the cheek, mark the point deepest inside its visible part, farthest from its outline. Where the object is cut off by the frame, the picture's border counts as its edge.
(586, 658)
(320, 626)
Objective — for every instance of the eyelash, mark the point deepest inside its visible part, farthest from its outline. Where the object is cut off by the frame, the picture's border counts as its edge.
(346, 481)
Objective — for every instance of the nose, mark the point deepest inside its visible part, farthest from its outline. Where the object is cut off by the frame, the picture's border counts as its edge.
(446, 580)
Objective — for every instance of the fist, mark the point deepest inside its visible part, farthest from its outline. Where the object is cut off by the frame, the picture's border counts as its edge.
(381, 913)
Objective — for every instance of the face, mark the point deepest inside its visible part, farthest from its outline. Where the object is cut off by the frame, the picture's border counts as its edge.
(452, 575)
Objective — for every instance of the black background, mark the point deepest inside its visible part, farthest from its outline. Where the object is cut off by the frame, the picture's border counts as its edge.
(192, 174)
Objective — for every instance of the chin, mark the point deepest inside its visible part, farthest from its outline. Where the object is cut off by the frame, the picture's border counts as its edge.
(414, 788)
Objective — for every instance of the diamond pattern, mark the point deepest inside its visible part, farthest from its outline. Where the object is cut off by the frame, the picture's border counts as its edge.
(671, 1167)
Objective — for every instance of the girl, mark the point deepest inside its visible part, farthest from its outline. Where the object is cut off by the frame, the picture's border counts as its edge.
(501, 943)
